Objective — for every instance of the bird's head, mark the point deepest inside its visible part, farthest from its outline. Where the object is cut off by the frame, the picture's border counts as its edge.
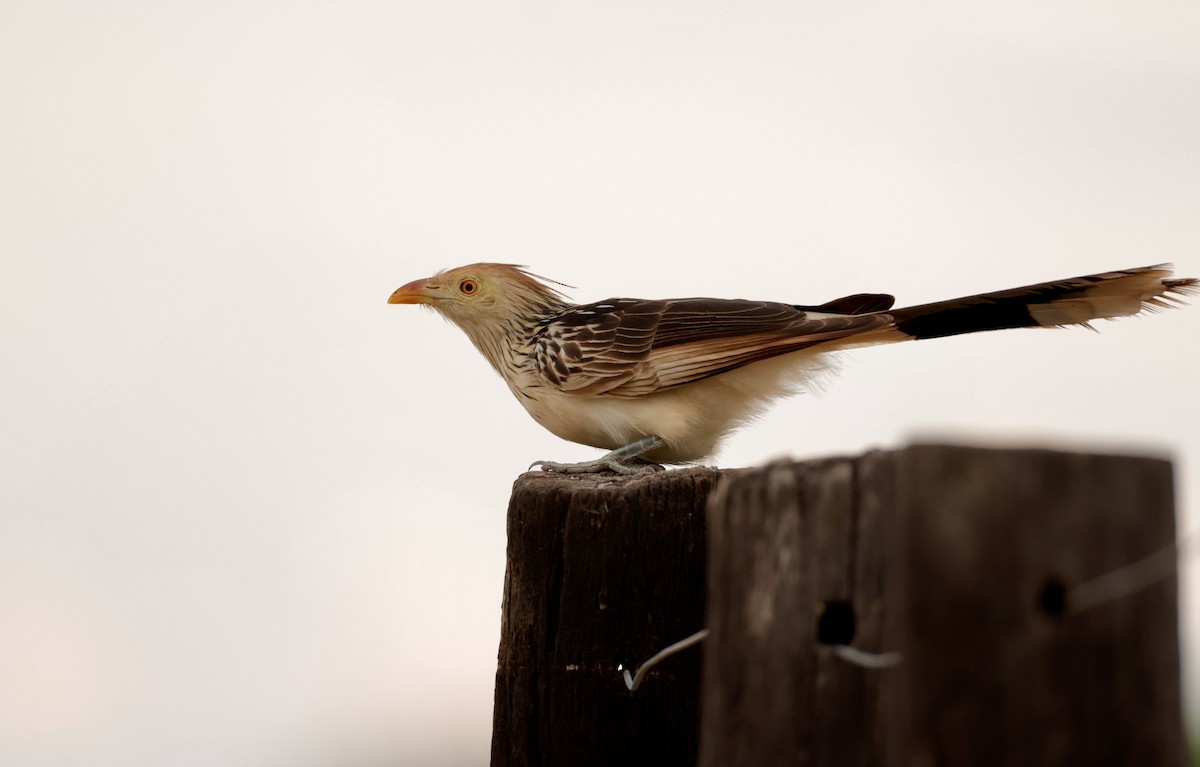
(483, 295)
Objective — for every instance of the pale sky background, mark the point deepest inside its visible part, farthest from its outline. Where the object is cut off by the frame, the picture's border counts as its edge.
(252, 515)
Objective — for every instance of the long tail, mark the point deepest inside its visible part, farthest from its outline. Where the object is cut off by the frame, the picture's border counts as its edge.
(1076, 301)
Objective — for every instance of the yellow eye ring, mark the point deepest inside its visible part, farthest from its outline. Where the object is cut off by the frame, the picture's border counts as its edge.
(468, 287)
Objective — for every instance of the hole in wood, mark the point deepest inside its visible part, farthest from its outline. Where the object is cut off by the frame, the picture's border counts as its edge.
(1052, 597)
(835, 624)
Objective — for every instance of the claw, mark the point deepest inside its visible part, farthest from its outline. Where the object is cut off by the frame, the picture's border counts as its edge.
(596, 466)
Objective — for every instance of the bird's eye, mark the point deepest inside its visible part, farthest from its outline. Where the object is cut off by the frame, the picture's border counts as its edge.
(468, 287)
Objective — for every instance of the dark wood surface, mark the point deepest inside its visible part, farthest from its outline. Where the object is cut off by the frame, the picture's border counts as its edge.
(601, 569)
(965, 561)
(986, 569)
(1000, 671)
(791, 544)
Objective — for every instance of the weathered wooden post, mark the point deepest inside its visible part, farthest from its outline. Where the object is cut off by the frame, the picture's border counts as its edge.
(601, 569)
(1002, 577)
(1029, 594)
(795, 558)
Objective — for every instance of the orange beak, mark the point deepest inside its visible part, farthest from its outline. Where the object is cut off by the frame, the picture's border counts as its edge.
(412, 293)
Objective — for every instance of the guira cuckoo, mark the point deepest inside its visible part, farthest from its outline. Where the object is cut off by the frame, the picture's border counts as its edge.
(665, 380)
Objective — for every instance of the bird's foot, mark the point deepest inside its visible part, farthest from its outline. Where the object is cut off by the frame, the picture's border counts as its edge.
(597, 466)
(623, 460)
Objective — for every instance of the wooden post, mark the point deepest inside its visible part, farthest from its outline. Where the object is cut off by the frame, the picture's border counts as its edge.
(986, 569)
(601, 569)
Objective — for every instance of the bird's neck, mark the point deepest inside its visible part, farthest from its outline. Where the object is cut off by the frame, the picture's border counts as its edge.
(507, 342)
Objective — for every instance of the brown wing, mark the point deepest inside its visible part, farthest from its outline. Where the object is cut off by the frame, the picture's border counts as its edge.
(630, 347)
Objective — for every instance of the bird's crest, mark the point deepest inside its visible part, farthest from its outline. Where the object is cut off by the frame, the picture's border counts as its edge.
(517, 275)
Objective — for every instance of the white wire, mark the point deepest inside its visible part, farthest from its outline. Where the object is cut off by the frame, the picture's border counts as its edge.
(635, 680)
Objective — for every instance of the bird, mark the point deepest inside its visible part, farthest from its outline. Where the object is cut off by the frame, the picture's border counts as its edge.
(664, 381)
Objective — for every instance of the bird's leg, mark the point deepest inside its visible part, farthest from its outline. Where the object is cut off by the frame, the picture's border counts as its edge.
(624, 460)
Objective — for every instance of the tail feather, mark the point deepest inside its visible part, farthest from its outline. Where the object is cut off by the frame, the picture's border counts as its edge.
(1075, 301)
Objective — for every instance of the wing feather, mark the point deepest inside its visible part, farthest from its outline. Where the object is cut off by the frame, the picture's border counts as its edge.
(632, 347)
